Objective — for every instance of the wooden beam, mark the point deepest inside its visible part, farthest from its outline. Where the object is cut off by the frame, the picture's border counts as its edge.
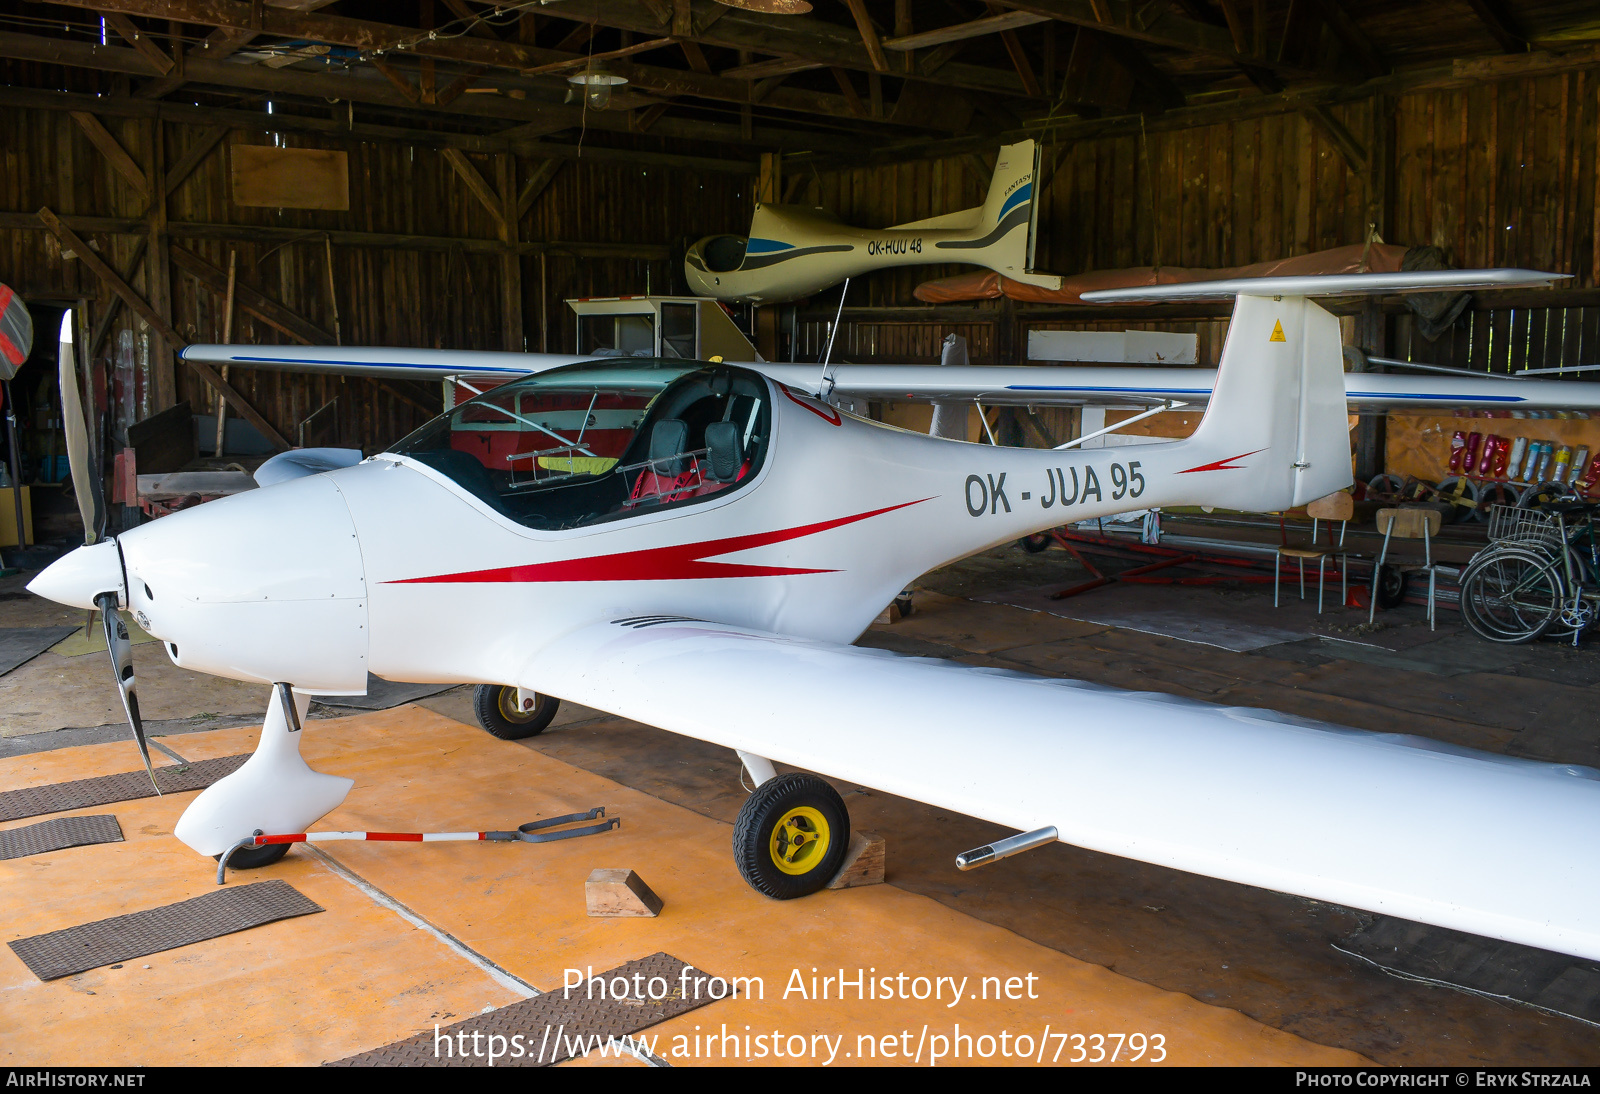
(405, 86)
(219, 45)
(1493, 15)
(938, 58)
(960, 32)
(1156, 25)
(1019, 60)
(108, 315)
(475, 24)
(158, 272)
(458, 87)
(255, 122)
(1230, 14)
(278, 316)
(112, 150)
(1354, 155)
(191, 159)
(477, 184)
(538, 182)
(869, 35)
(682, 19)
(697, 59)
(375, 38)
(851, 96)
(643, 119)
(511, 324)
(136, 302)
(761, 70)
(1348, 31)
(139, 40)
(572, 64)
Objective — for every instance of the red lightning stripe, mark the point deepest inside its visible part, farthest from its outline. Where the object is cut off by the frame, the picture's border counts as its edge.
(1221, 465)
(678, 563)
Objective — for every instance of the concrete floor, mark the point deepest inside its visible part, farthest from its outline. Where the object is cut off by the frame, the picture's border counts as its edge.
(1268, 956)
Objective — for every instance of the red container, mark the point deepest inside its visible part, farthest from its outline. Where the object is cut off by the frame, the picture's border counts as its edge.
(1469, 462)
(1492, 447)
(1458, 449)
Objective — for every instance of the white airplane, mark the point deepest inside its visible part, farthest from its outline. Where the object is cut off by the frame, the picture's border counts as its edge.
(795, 250)
(695, 546)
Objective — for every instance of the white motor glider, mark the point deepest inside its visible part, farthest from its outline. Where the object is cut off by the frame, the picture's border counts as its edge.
(695, 546)
(795, 250)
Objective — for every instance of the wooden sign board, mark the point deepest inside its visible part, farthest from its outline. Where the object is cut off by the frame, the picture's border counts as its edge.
(290, 178)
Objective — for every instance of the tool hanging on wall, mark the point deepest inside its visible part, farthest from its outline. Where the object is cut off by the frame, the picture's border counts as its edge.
(532, 832)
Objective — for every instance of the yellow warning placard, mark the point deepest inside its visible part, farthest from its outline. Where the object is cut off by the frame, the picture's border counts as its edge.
(1277, 332)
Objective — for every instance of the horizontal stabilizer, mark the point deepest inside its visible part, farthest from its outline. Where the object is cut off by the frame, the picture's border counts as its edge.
(1381, 284)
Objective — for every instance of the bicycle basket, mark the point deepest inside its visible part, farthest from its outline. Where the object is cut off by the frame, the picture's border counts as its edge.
(1530, 527)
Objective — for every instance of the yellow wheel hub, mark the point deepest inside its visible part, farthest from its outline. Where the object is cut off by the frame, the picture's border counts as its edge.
(508, 707)
(799, 840)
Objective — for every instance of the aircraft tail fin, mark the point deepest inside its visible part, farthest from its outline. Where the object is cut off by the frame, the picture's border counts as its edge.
(1279, 392)
(1004, 229)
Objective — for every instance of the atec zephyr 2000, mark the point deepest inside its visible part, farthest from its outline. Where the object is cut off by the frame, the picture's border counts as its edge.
(695, 546)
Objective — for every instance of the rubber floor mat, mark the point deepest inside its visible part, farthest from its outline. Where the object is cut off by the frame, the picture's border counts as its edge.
(19, 645)
(34, 801)
(1554, 982)
(54, 835)
(156, 930)
(549, 1028)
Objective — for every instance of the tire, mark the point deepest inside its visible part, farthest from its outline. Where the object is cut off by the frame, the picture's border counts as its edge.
(1542, 492)
(1492, 494)
(783, 807)
(1511, 595)
(253, 858)
(1461, 495)
(1036, 543)
(496, 708)
(1389, 587)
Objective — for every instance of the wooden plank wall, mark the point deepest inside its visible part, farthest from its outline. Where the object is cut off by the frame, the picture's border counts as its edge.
(385, 296)
(1502, 173)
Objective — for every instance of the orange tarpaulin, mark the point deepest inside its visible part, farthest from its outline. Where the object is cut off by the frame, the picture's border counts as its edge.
(987, 285)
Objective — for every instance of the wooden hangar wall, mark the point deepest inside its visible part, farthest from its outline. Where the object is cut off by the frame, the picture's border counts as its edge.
(417, 259)
(1496, 172)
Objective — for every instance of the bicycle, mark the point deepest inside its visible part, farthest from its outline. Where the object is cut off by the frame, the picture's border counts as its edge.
(1538, 574)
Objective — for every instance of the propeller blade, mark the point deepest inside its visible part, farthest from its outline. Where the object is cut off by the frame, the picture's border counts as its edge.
(85, 482)
(121, 650)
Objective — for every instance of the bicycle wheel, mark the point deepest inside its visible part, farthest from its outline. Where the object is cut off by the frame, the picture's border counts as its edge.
(1511, 595)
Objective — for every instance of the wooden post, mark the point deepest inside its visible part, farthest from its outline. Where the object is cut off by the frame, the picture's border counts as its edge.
(158, 275)
(510, 260)
(1373, 326)
(227, 339)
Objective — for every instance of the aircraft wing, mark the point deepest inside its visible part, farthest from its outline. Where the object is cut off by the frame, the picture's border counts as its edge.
(1399, 825)
(993, 385)
(1131, 386)
(386, 362)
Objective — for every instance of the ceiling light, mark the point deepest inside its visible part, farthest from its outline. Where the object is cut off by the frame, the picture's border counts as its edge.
(597, 84)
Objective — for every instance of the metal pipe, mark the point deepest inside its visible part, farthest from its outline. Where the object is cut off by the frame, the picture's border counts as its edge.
(1170, 404)
(1005, 848)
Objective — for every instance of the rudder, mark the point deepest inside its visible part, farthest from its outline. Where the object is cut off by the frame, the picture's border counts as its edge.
(1278, 409)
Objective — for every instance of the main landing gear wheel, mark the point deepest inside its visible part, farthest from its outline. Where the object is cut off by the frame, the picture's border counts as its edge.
(1036, 543)
(791, 836)
(496, 708)
(253, 858)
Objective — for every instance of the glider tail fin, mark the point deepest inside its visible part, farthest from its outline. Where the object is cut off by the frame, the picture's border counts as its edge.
(1003, 237)
(1279, 392)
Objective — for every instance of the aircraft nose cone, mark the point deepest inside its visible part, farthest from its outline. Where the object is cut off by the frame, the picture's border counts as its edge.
(78, 577)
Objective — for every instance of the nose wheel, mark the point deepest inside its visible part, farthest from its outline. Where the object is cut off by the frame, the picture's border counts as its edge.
(791, 836)
(500, 713)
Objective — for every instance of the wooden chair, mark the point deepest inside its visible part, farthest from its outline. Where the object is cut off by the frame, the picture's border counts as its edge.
(1420, 524)
(1338, 506)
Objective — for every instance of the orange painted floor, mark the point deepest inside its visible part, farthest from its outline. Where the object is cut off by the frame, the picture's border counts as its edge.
(359, 975)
